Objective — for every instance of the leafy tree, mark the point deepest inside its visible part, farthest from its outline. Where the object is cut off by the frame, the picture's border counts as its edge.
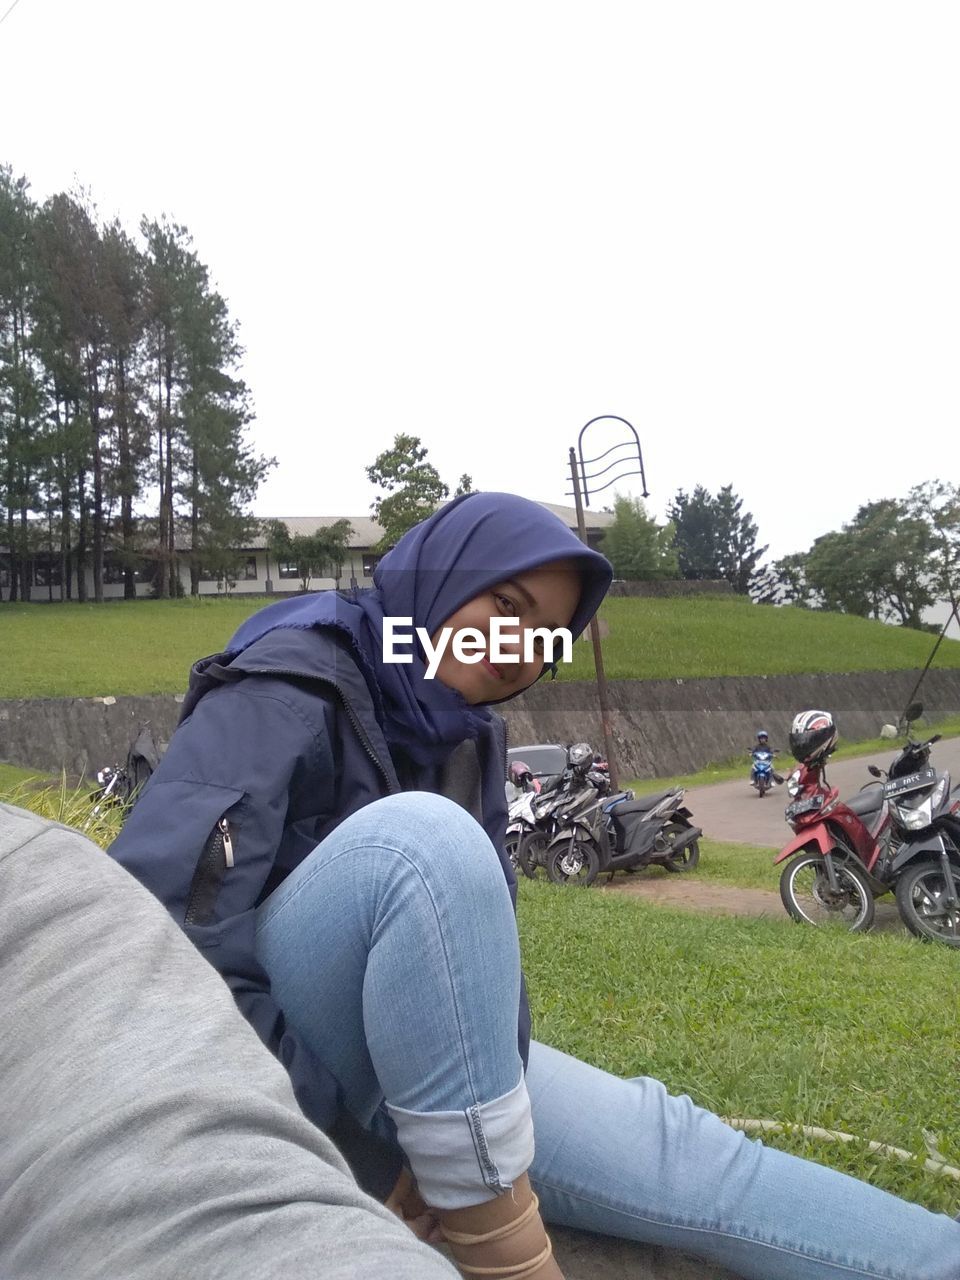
(936, 504)
(413, 487)
(695, 533)
(875, 566)
(638, 547)
(792, 586)
(714, 537)
(320, 554)
(736, 535)
(110, 358)
(464, 486)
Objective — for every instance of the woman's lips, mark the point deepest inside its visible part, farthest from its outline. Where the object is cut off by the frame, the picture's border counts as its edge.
(485, 662)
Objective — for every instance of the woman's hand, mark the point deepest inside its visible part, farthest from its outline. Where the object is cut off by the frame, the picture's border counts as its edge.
(409, 1206)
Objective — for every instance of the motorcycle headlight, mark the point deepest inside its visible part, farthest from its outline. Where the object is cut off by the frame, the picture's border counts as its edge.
(918, 818)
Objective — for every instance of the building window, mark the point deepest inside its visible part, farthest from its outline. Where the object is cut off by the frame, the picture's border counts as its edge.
(46, 572)
(370, 562)
(113, 571)
(4, 571)
(286, 569)
(249, 572)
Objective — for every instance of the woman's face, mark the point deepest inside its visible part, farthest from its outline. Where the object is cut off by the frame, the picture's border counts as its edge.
(543, 597)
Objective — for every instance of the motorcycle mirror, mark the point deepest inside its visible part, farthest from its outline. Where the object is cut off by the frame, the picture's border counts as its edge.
(874, 771)
(888, 731)
(913, 712)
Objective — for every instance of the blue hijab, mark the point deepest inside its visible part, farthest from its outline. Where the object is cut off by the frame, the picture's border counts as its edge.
(468, 546)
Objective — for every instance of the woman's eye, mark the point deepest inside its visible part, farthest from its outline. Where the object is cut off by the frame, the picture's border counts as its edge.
(505, 603)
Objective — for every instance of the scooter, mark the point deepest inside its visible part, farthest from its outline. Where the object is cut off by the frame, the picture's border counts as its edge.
(922, 863)
(761, 773)
(623, 834)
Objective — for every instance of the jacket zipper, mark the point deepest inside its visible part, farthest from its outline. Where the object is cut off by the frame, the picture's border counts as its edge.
(216, 857)
(223, 827)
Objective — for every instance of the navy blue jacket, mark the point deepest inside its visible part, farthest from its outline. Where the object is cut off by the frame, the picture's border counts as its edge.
(279, 744)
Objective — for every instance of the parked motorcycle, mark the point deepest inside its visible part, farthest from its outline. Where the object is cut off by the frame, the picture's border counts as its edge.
(901, 836)
(619, 833)
(578, 787)
(922, 862)
(828, 878)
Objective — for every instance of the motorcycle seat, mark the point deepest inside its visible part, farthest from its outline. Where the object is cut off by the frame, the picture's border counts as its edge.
(641, 805)
(866, 801)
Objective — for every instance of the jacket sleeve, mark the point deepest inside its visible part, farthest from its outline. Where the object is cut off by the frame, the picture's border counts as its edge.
(205, 832)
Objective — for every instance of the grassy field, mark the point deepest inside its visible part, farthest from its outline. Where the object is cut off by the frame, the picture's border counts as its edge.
(759, 1019)
(147, 646)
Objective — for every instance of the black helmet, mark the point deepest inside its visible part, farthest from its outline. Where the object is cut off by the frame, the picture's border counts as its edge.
(580, 755)
(813, 735)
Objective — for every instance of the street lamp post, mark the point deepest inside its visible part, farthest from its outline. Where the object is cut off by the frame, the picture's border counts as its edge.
(581, 479)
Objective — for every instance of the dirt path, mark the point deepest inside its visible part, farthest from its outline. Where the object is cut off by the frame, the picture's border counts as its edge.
(690, 894)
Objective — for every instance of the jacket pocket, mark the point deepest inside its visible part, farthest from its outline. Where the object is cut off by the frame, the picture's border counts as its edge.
(216, 858)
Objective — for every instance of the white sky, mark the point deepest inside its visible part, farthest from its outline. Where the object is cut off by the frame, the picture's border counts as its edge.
(735, 224)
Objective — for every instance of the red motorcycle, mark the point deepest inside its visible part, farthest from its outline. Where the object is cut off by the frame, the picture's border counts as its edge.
(838, 844)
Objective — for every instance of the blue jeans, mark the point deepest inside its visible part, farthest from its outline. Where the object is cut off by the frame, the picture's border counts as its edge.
(393, 950)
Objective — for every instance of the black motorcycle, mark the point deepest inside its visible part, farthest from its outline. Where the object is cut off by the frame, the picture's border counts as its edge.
(581, 782)
(922, 861)
(619, 833)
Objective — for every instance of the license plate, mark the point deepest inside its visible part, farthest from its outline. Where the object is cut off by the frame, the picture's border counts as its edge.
(912, 782)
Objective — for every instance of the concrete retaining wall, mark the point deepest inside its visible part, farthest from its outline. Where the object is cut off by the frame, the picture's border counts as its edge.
(660, 726)
(664, 727)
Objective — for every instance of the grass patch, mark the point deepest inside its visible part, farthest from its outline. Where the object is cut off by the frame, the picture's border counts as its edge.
(728, 636)
(65, 803)
(148, 646)
(759, 1019)
(121, 647)
(13, 778)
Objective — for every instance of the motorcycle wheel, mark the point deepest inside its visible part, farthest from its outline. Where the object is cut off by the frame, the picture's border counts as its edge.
(684, 859)
(919, 896)
(531, 851)
(806, 894)
(761, 787)
(511, 847)
(575, 862)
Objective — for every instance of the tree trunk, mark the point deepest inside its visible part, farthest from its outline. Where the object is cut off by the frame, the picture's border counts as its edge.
(93, 397)
(194, 525)
(127, 478)
(169, 550)
(81, 534)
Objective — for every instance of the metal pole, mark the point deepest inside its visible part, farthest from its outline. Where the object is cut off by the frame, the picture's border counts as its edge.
(606, 719)
(916, 687)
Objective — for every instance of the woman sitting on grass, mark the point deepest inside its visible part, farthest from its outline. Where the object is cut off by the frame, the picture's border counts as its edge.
(328, 828)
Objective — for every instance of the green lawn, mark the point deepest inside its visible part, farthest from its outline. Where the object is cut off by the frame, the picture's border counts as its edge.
(147, 646)
(714, 636)
(759, 1019)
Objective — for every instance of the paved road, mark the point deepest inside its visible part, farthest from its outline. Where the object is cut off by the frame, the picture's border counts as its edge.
(733, 811)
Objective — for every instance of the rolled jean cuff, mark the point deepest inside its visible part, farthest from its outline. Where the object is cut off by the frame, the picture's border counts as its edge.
(461, 1158)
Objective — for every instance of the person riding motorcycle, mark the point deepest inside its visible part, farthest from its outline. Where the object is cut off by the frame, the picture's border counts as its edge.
(763, 744)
